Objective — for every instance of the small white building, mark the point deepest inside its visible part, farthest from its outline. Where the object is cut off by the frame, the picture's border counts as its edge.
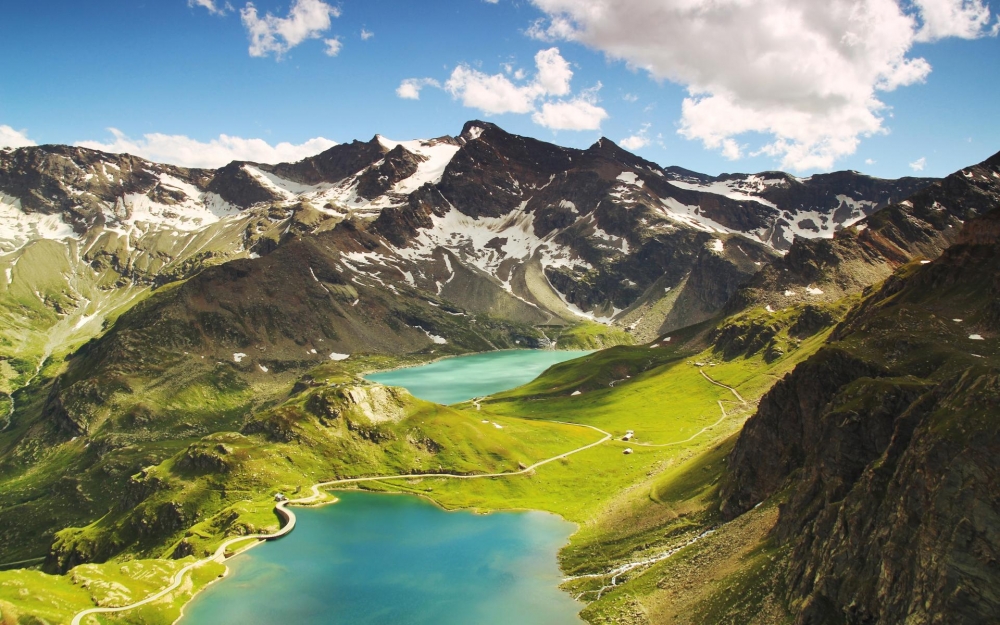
(628, 451)
(280, 497)
(628, 437)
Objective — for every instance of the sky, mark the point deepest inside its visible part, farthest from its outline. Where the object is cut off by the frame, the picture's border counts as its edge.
(886, 87)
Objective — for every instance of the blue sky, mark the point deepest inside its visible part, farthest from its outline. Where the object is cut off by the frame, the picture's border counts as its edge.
(746, 93)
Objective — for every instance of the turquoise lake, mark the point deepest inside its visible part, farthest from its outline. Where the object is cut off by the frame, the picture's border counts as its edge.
(461, 378)
(377, 559)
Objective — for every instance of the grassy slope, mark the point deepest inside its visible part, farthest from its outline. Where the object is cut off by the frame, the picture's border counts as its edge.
(27, 594)
(631, 507)
(627, 505)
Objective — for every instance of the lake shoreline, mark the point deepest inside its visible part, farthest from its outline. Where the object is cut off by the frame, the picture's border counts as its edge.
(322, 492)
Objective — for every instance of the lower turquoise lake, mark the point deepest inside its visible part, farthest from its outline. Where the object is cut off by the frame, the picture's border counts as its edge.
(378, 559)
(374, 559)
(461, 378)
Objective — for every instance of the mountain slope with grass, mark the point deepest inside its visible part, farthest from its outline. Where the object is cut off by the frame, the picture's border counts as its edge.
(884, 442)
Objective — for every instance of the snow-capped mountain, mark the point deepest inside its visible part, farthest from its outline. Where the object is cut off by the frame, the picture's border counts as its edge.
(489, 222)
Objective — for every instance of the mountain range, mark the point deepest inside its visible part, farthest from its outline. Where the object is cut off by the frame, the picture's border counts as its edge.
(150, 309)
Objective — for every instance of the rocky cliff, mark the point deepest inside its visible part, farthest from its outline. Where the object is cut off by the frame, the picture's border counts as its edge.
(883, 445)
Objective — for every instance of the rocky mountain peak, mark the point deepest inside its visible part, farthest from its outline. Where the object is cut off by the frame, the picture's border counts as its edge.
(475, 129)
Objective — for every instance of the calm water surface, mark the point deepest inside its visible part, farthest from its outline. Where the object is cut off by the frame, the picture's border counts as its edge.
(397, 559)
(458, 379)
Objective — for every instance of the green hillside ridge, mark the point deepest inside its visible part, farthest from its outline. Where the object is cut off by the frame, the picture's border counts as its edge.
(191, 493)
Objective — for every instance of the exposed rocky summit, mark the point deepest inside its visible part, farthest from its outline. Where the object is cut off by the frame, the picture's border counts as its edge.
(920, 226)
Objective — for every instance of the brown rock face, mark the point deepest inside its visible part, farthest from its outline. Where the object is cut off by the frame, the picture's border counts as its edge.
(885, 444)
(397, 165)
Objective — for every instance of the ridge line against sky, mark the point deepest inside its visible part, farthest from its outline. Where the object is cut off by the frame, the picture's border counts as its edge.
(888, 87)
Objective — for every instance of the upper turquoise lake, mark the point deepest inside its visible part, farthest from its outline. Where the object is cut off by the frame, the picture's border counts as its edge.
(377, 559)
(458, 379)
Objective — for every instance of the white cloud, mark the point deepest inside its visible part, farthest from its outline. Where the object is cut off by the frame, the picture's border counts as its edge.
(869, 161)
(493, 94)
(333, 46)
(410, 88)
(806, 74)
(366, 34)
(307, 19)
(638, 140)
(10, 138)
(187, 152)
(211, 6)
(966, 19)
(919, 164)
(496, 93)
(731, 150)
(634, 142)
(630, 97)
(554, 73)
(575, 114)
(548, 96)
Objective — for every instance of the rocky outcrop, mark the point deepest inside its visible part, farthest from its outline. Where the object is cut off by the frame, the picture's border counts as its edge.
(395, 166)
(234, 184)
(883, 446)
(922, 226)
(332, 165)
(790, 428)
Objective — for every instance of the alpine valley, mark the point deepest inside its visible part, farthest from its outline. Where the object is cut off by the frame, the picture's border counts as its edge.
(797, 377)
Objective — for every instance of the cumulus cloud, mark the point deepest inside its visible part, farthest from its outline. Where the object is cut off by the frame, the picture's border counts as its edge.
(410, 88)
(366, 34)
(10, 138)
(966, 19)
(554, 73)
(187, 152)
(919, 164)
(491, 93)
(638, 140)
(332, 46)
(211, 6)
(806, 74)
(547, 96)
(575, 114)
(307, 19)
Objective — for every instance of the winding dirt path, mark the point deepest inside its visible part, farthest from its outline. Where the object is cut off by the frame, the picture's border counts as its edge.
(708, 427)
(315, 497)
(731, 389)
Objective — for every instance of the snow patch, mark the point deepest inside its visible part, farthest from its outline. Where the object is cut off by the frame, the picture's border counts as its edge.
(976, 337)
(631, 178)
(437, 154)
(335, 356)
(238, 357)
